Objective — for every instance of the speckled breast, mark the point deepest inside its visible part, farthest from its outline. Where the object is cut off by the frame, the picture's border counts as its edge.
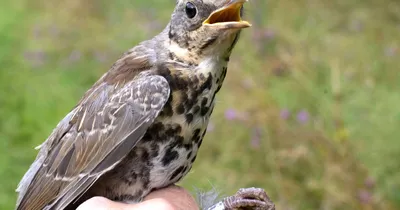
(177, 133)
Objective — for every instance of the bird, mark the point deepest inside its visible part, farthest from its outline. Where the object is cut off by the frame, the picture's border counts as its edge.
(139, 127)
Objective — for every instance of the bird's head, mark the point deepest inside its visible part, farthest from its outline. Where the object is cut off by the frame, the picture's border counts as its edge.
(207, 27)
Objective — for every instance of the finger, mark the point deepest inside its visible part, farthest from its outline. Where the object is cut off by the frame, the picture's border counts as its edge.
(101, 203)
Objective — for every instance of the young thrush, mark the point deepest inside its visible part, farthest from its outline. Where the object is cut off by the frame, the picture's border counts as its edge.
(141, 124)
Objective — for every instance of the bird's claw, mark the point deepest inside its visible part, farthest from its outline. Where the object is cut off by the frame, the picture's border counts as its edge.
(246, 198)
(253, 193)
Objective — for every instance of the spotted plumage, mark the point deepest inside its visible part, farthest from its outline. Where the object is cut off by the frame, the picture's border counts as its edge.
(141, 124)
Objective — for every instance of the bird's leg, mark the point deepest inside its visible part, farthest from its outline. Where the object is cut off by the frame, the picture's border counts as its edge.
(246, 198)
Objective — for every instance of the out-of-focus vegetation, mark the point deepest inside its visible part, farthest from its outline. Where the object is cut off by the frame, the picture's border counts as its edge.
(309, 111)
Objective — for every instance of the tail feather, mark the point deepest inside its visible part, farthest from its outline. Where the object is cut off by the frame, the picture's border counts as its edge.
(207, 199)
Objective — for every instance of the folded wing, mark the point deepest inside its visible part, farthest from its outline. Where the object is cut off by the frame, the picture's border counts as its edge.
(92, 140)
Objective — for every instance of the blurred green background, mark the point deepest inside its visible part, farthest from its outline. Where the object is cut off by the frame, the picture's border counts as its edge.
(309, 110)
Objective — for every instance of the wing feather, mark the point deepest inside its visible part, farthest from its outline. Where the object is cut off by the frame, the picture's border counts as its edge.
(101, 131)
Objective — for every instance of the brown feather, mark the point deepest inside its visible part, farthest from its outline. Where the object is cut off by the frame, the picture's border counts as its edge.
(113, 110)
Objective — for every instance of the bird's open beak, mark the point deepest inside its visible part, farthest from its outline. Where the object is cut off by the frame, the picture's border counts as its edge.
(228, 16)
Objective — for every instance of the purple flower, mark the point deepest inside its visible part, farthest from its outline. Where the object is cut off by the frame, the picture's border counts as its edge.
(74, 56)
(264, 35)
(364, 196)
(230, 114)
(356, 25)
(269, 34)
(37, 31)
(285, 114)
(100, 56)
(256, 138)
(54, 30)
(303, 117)
(35, 58)
(391, 51)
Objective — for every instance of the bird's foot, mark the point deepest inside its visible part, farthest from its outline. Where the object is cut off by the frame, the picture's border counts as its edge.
(246, 198)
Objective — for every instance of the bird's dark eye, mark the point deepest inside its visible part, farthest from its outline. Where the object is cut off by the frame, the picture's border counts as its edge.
(191, 10)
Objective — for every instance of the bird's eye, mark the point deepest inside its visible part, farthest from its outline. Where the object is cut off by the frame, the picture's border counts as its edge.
(191, 10)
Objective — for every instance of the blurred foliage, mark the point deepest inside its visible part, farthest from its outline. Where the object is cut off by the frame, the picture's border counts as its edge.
(308, 111)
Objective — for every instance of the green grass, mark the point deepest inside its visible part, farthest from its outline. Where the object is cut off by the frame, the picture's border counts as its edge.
(336, 61)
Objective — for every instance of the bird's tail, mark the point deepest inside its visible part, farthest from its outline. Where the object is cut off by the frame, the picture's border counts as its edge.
(207, 199)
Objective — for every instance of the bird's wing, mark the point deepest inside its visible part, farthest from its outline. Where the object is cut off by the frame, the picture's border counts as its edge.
(91, 140)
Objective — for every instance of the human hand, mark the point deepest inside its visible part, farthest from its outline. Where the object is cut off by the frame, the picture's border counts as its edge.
(170, 198)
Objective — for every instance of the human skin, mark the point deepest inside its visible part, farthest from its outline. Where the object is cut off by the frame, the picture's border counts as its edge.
(170, 198)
